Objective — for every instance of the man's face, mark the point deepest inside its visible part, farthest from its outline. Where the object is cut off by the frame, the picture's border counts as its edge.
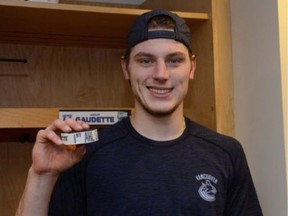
(159, 71)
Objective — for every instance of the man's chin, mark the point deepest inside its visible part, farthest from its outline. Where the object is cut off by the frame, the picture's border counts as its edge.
(160, 111)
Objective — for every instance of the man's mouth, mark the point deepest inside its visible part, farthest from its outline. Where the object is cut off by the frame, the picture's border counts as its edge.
(160, 90)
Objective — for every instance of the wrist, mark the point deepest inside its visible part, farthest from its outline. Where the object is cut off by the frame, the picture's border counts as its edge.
(42, 176)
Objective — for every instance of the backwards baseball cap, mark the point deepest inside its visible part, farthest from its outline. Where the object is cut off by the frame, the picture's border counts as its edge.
(140, 31)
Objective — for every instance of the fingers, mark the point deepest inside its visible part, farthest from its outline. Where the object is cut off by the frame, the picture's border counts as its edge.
(44, 136)
(58, 126)
(68, 125)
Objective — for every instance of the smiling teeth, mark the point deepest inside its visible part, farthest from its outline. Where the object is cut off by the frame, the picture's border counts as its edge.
(160, 91)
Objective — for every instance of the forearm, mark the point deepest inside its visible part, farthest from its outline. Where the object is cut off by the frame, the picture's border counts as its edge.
(36, 197)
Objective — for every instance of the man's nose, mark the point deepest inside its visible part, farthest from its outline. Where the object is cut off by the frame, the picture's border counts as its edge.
(161, 72)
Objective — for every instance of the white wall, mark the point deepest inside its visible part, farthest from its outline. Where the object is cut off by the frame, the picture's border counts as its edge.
(258, 98)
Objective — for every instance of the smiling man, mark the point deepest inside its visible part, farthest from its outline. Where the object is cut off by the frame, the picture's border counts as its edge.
(159, 71)
(156, 162)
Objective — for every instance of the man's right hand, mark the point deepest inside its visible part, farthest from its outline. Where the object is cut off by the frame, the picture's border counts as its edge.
(49, 155)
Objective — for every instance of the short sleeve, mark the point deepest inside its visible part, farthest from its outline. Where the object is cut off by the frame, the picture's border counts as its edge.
(242, 199)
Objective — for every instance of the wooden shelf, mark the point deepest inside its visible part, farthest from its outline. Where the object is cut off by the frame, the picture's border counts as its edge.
(22, 125)
(69, 24)
(27, 117)
(35, 117)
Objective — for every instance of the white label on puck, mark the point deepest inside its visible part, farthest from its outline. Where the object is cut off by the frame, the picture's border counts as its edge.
(81, 137)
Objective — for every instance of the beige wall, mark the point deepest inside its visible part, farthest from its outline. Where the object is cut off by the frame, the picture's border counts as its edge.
(258, 98)
(283, 42)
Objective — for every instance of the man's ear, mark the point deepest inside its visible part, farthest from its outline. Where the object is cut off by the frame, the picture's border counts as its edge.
(193, 67)
(124, 65)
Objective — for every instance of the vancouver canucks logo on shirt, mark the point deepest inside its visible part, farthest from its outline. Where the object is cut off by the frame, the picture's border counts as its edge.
(207, 190)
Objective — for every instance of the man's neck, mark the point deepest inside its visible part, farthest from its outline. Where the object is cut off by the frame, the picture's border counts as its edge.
(159, 127)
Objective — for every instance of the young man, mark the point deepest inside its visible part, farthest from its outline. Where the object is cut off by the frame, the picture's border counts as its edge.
(157, 162)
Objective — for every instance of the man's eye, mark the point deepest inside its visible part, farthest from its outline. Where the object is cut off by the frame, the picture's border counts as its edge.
(175, 61)
(145, 61)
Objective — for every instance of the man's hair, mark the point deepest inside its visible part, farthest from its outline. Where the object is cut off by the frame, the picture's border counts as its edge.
(161, 22)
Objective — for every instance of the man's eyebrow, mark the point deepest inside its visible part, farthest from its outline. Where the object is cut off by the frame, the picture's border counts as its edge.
(176, 54)
(144, 54)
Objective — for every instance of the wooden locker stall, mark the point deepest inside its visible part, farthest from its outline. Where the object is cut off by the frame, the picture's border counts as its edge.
(67, 55)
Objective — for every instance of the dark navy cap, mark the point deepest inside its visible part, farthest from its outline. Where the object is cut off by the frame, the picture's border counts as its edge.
(139, 31)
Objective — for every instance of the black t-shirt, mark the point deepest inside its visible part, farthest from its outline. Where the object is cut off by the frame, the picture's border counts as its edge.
(201, 173)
